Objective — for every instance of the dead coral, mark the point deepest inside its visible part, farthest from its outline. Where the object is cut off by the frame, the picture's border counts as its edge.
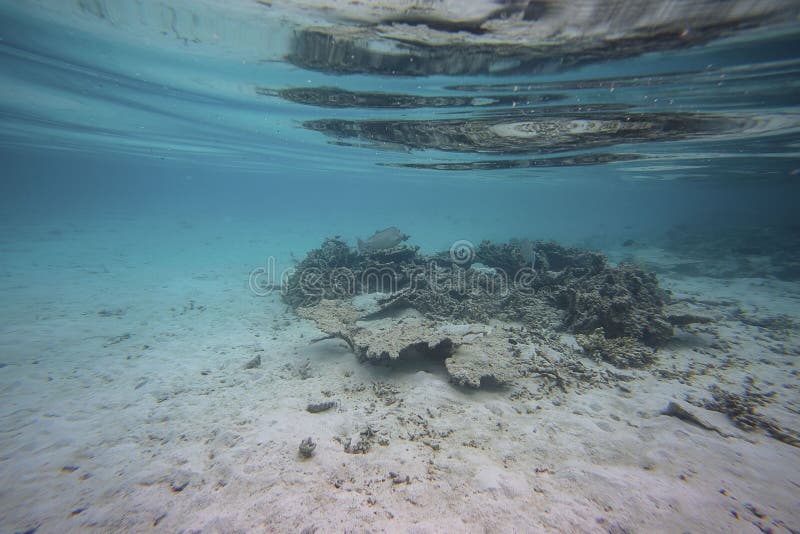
(543, 257)
(473, 354)
(383, 338)
(740, 408)
(394, 303)
(621, 352)
(363, 443)
(312, 280)
(306, 448)
(544, 285)
(624, 300)
(742, 411)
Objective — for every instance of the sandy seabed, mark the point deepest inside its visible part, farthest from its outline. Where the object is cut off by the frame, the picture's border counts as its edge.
(126, 407)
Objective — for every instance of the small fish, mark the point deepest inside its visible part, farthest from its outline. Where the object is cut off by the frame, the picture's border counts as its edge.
(383, 239)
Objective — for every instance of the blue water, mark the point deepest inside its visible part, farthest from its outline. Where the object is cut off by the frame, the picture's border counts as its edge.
(115, 110)
(153, 154)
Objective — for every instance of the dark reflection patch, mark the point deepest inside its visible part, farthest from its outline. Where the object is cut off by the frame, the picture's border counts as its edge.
(592, 83)
(529, 133)
(528, 10)
(566, 161)
(333, 97)
(514, 114)
(367, 49)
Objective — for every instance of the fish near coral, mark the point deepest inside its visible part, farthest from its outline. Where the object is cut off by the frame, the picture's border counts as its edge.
(383, 239)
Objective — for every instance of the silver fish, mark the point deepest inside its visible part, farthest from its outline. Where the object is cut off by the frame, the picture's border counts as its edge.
(383, 239)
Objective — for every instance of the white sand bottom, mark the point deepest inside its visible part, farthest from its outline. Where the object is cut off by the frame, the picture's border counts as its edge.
(126, 408)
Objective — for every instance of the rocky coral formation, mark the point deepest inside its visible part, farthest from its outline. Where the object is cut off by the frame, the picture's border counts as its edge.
(386, 338)
(563, 288)
(624, 301)
(313, 280)
(395, 303)
(473, 354)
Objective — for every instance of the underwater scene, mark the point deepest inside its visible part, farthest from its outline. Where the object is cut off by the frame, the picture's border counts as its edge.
(429, 266)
